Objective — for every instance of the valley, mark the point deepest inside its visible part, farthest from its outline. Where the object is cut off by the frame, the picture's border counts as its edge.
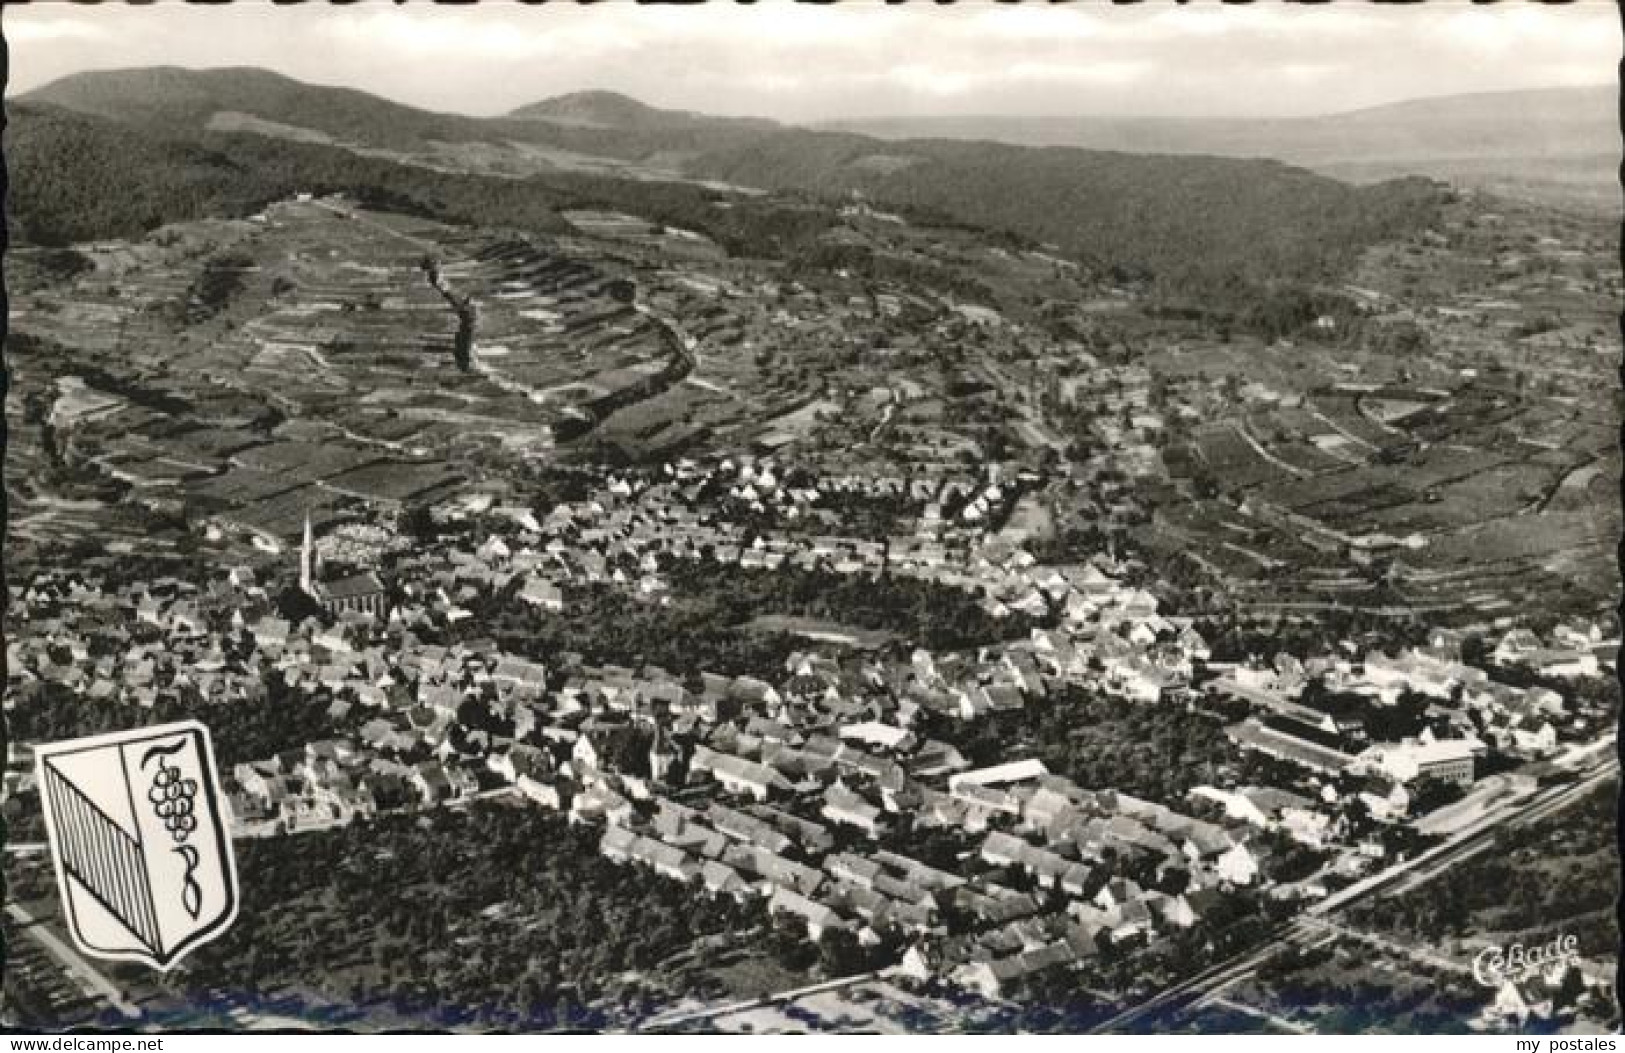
(645, 571)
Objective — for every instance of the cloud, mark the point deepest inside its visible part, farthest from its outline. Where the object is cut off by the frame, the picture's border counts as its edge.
(1309, 71)
(932, 81)
(412, 34)
(798, 61)
(1029, 23)
(1105, 72)
(26, 32)
(1522, 26)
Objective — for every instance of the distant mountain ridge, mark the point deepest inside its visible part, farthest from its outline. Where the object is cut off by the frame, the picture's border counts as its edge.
(600, 109)
(178, 100)
(1557, 144)
(1203, 221)
(609, 109)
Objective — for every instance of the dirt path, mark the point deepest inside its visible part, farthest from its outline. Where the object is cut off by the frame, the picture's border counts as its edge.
(1240, 428)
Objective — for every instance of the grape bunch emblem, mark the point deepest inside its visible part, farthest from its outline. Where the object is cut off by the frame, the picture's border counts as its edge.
(172, 798)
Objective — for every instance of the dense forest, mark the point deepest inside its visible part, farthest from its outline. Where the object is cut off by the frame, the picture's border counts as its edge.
(605, 625)
(495, 915)
(931, 615)
(1159, 752)
(706, 627)
(75, 178)
(1204, 226)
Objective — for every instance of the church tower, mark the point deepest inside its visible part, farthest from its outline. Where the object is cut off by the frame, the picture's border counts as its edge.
(306, 559)
(661, 755)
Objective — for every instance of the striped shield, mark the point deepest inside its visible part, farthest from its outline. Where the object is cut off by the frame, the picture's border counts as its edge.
(141, 841)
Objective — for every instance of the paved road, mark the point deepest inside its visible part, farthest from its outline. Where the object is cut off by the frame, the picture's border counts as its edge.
(1246, 436)
(1271, 1018)
(1471, 840)
(663, 1023)
(1419, 955)
(89, 979)
(356, 214)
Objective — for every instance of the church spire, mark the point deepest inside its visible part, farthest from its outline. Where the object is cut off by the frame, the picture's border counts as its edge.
(306, 557)
(661, 754)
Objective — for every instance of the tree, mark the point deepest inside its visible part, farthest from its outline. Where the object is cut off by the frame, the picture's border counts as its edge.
(1569, 988)
(839, 953)
(1432, 794)
(295, 605)
(787, 940)
(417, 522)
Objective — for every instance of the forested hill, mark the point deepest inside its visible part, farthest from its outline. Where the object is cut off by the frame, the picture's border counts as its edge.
(1197, 224)
(80, 178)
(77, 178)
(598, 109)
(608, 109)
(74, 178)
(179, 101)
(1185, 220)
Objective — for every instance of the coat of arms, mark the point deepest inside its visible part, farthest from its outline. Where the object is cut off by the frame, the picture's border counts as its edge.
(142, 851)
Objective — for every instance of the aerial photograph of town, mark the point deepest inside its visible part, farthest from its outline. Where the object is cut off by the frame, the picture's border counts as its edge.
(794, 520)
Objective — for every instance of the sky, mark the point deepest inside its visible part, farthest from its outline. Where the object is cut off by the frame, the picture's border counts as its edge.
(801, 62)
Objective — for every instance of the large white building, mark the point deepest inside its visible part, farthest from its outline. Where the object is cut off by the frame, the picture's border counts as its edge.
(1450, 760)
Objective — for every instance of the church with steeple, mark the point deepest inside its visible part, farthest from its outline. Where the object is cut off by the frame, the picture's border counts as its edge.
(662, 756)
(363, 593)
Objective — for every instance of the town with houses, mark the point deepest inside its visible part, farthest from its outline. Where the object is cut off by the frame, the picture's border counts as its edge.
(803, 788)
(1007, 650)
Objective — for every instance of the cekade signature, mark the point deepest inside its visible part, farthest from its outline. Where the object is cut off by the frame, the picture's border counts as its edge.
(1494, 965)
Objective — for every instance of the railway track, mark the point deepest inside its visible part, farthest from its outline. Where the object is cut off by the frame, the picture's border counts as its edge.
(1310, 929)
